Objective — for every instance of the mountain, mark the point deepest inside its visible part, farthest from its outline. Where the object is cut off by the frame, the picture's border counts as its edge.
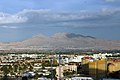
(64, 40)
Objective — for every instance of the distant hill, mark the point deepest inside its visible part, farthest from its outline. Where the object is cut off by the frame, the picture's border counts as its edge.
(64, 40)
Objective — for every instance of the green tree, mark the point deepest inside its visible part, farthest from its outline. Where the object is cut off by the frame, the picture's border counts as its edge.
(5, 69)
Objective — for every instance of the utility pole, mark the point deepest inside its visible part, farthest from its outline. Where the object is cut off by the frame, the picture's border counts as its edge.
(51, 68)
(59, 66)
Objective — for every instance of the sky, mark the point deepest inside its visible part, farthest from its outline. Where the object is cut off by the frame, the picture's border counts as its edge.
(23, 19)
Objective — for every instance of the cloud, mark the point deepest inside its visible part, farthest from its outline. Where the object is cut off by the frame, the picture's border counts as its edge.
(8, 18)
(39, 16)
(47, 16)
(12, 27)
(110, 0)
(106, 11)
(67, 19)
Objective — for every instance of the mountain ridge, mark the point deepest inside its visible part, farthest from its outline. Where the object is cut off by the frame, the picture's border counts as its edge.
(64, 40)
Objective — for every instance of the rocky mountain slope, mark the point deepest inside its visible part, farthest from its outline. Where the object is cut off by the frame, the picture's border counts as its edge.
(64, 40)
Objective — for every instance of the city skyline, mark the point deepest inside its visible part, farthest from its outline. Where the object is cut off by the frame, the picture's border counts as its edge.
(20, 19)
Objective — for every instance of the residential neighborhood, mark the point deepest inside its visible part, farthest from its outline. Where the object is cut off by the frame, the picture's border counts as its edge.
(39, 66)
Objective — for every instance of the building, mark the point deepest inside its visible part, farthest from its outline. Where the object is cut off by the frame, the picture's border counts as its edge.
(85, 64)
(67, 67)
(82, 78)
(113, 65)
(98, 69)
(101, 56)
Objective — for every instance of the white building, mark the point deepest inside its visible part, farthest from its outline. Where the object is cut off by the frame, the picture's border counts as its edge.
(100, 55)
(68, 67)
(110, 79)
(81, 78)
(77, 58)
(73, 58)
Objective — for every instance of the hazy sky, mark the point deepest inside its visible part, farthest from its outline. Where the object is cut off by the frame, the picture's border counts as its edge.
(22, 19)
